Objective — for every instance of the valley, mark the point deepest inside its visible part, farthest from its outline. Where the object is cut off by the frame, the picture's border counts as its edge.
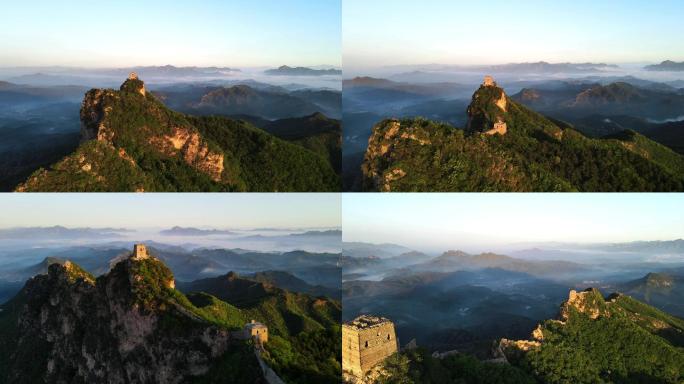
(459, 314)
(40, 121)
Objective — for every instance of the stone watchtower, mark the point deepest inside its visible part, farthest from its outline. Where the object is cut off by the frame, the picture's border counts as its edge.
(489, 82)
(257, 331)
(140, 252)
(136, 82)
(366, 342)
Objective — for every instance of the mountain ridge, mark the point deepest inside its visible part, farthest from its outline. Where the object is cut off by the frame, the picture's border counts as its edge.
(508, 147)
(129, 138)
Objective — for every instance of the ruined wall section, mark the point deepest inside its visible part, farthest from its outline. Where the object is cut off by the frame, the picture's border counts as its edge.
(365, 347)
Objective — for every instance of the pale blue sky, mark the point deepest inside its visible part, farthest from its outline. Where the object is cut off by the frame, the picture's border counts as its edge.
(217, 210)
(478, 219)
(178, 32)
(388, 32)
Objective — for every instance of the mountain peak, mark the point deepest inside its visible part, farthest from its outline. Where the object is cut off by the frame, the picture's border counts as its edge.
(487, 110)
(133, 84)
(69, 271)
(659, 280)
(590, 302)
(140, 252)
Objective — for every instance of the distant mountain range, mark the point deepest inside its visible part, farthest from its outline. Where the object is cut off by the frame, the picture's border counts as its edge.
(60, 232)
(667, 65)
(301, 71)
(250, 99)
(544, 67)
(617, 98)
(361, 249)
(459, 260)
(189, 231)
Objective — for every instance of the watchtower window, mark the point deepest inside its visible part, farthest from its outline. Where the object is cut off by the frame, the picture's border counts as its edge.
(388, 337)
(366, 344)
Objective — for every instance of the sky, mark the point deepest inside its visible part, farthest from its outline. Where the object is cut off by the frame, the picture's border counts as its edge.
(157, 210)
(443, 221)
(398, 32)
(233, 33)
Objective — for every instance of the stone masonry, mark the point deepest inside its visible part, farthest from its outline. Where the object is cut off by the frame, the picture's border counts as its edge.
(366, 342)
(140, 252)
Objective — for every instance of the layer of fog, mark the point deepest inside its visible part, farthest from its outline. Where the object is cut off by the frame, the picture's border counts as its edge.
(261, 240)
(473, 74)
(112, 78)
(596, 262)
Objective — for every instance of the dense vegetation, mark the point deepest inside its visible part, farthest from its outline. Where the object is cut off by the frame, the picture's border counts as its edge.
(304, 332)
(535, 154)
(630, 342)
(613, 340)
(419, 367)
(135, 158)
(316, 133)
(303, 347)
(281, 167)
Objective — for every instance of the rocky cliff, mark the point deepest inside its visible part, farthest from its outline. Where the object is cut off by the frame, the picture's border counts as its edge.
(169, 136)
(594, 339)
(487, 109)
(129, 325)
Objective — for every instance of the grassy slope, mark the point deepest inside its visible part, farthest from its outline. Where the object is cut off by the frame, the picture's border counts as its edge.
(633, 344)
(535, 155)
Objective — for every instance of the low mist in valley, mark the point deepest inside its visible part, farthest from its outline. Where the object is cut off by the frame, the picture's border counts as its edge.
(597, 99)
(459, 271)
(458, 300)
(300, 259)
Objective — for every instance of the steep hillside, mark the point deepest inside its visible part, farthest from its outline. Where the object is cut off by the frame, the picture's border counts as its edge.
(662, 290)
(133, 325)
(243, 99)
(508, 147)
(458, 260)
(315, 132)
(130, 325)
(305, 338)
(132, 142)
(597, 340)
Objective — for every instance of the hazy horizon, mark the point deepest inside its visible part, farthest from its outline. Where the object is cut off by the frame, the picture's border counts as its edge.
(150, 210)
(498, 32)
(240, 33)
(482, 221)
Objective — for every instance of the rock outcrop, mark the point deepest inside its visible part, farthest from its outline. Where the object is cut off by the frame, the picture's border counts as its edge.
(97, 123)
(487, 110)
(383, 141)
(589, 303)
(123, 327)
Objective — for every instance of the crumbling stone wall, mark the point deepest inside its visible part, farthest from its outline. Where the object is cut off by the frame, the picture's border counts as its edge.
(140, 251)
(366, 346)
